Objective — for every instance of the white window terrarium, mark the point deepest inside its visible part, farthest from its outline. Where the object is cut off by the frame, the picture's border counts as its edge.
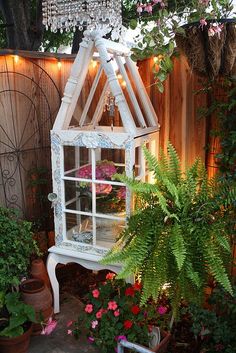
(99, 131)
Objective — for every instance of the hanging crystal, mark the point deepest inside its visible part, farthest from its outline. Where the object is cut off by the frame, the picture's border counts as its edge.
(92, 14)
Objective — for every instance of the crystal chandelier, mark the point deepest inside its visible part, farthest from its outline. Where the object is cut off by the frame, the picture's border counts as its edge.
(92, 14)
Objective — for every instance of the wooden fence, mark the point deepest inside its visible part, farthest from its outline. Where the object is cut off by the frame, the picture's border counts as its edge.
(31, 85)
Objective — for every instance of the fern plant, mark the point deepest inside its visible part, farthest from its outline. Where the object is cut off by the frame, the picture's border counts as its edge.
(177, 235)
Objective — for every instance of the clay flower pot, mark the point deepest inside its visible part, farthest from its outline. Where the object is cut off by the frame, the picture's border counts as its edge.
(39, 271)
(19, 344)
(36, 293)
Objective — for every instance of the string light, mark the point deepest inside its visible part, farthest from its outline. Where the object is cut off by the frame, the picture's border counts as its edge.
(155, 59)
(119, 76)
(123, 84)
(59, 64)
(94, 63)
(16, 58)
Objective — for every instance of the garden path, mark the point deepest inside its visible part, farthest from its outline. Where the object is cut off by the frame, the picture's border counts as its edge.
(59, 341)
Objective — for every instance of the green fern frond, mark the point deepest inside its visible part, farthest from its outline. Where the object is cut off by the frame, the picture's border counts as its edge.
(178, 245)
(174, 172)
(215, 263)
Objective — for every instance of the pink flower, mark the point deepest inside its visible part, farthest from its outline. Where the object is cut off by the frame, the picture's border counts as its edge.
(112, 305)
(215, 29)
(95, 293)
(121, 193)
(204, 2)
(84, 172)
(69, 332)
(203, 23)
(211, 32)
(119, 338)
(162, 310)
(50, 327)
(139, 9)
(69, 323)
(99, 314)
(116, 313)
(94, 324)
(89, 308)
(157, 1)
(103, 189)
(91, 339)
(148, 8)
(110, 276)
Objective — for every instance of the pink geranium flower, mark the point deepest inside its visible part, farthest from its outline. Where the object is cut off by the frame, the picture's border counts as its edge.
(69, 332)
(110, 275)
(117, 313)
(112, 305)
(89, 308)
(99, 314)
(162, 310)
(94, 324)
(95, 293)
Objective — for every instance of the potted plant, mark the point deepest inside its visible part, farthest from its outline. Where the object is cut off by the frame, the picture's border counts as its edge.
(179, 234)
(113, 312)
(16, 320)
(16, 247)
(200, 28)
(214, 328)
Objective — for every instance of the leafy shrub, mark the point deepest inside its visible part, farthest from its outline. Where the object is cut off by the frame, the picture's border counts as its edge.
(17, 316)
(16, 247)
(178, 234)
(215, 329)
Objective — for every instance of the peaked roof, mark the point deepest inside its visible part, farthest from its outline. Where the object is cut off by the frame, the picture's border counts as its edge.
(108, 52)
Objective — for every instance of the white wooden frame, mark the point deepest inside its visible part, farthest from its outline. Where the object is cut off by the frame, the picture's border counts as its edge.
(93, 136)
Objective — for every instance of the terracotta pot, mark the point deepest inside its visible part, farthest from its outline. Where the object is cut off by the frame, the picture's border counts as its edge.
(39, 271)
(19, 344)
(37, 294)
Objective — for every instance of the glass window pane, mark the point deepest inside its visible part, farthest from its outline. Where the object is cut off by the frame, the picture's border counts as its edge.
(77, 162)
(109, 162)
(78, 196)
(107, 231)
(79, 228)
(110, 199)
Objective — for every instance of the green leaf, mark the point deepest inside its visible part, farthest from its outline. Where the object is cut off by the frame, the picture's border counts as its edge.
(178, 246)
(133, 24)
(160, 86)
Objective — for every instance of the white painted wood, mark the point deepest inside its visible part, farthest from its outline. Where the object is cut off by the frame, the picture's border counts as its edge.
(63, 256)
(74, 86)
(91, 96)
(106, 61)
(131, 92)
(95, 138)
(141, 91)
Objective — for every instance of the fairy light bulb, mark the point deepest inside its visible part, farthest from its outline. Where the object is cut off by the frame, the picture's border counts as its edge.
(59, 64)
(155, 59)
(94, 63)
(16, 59)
